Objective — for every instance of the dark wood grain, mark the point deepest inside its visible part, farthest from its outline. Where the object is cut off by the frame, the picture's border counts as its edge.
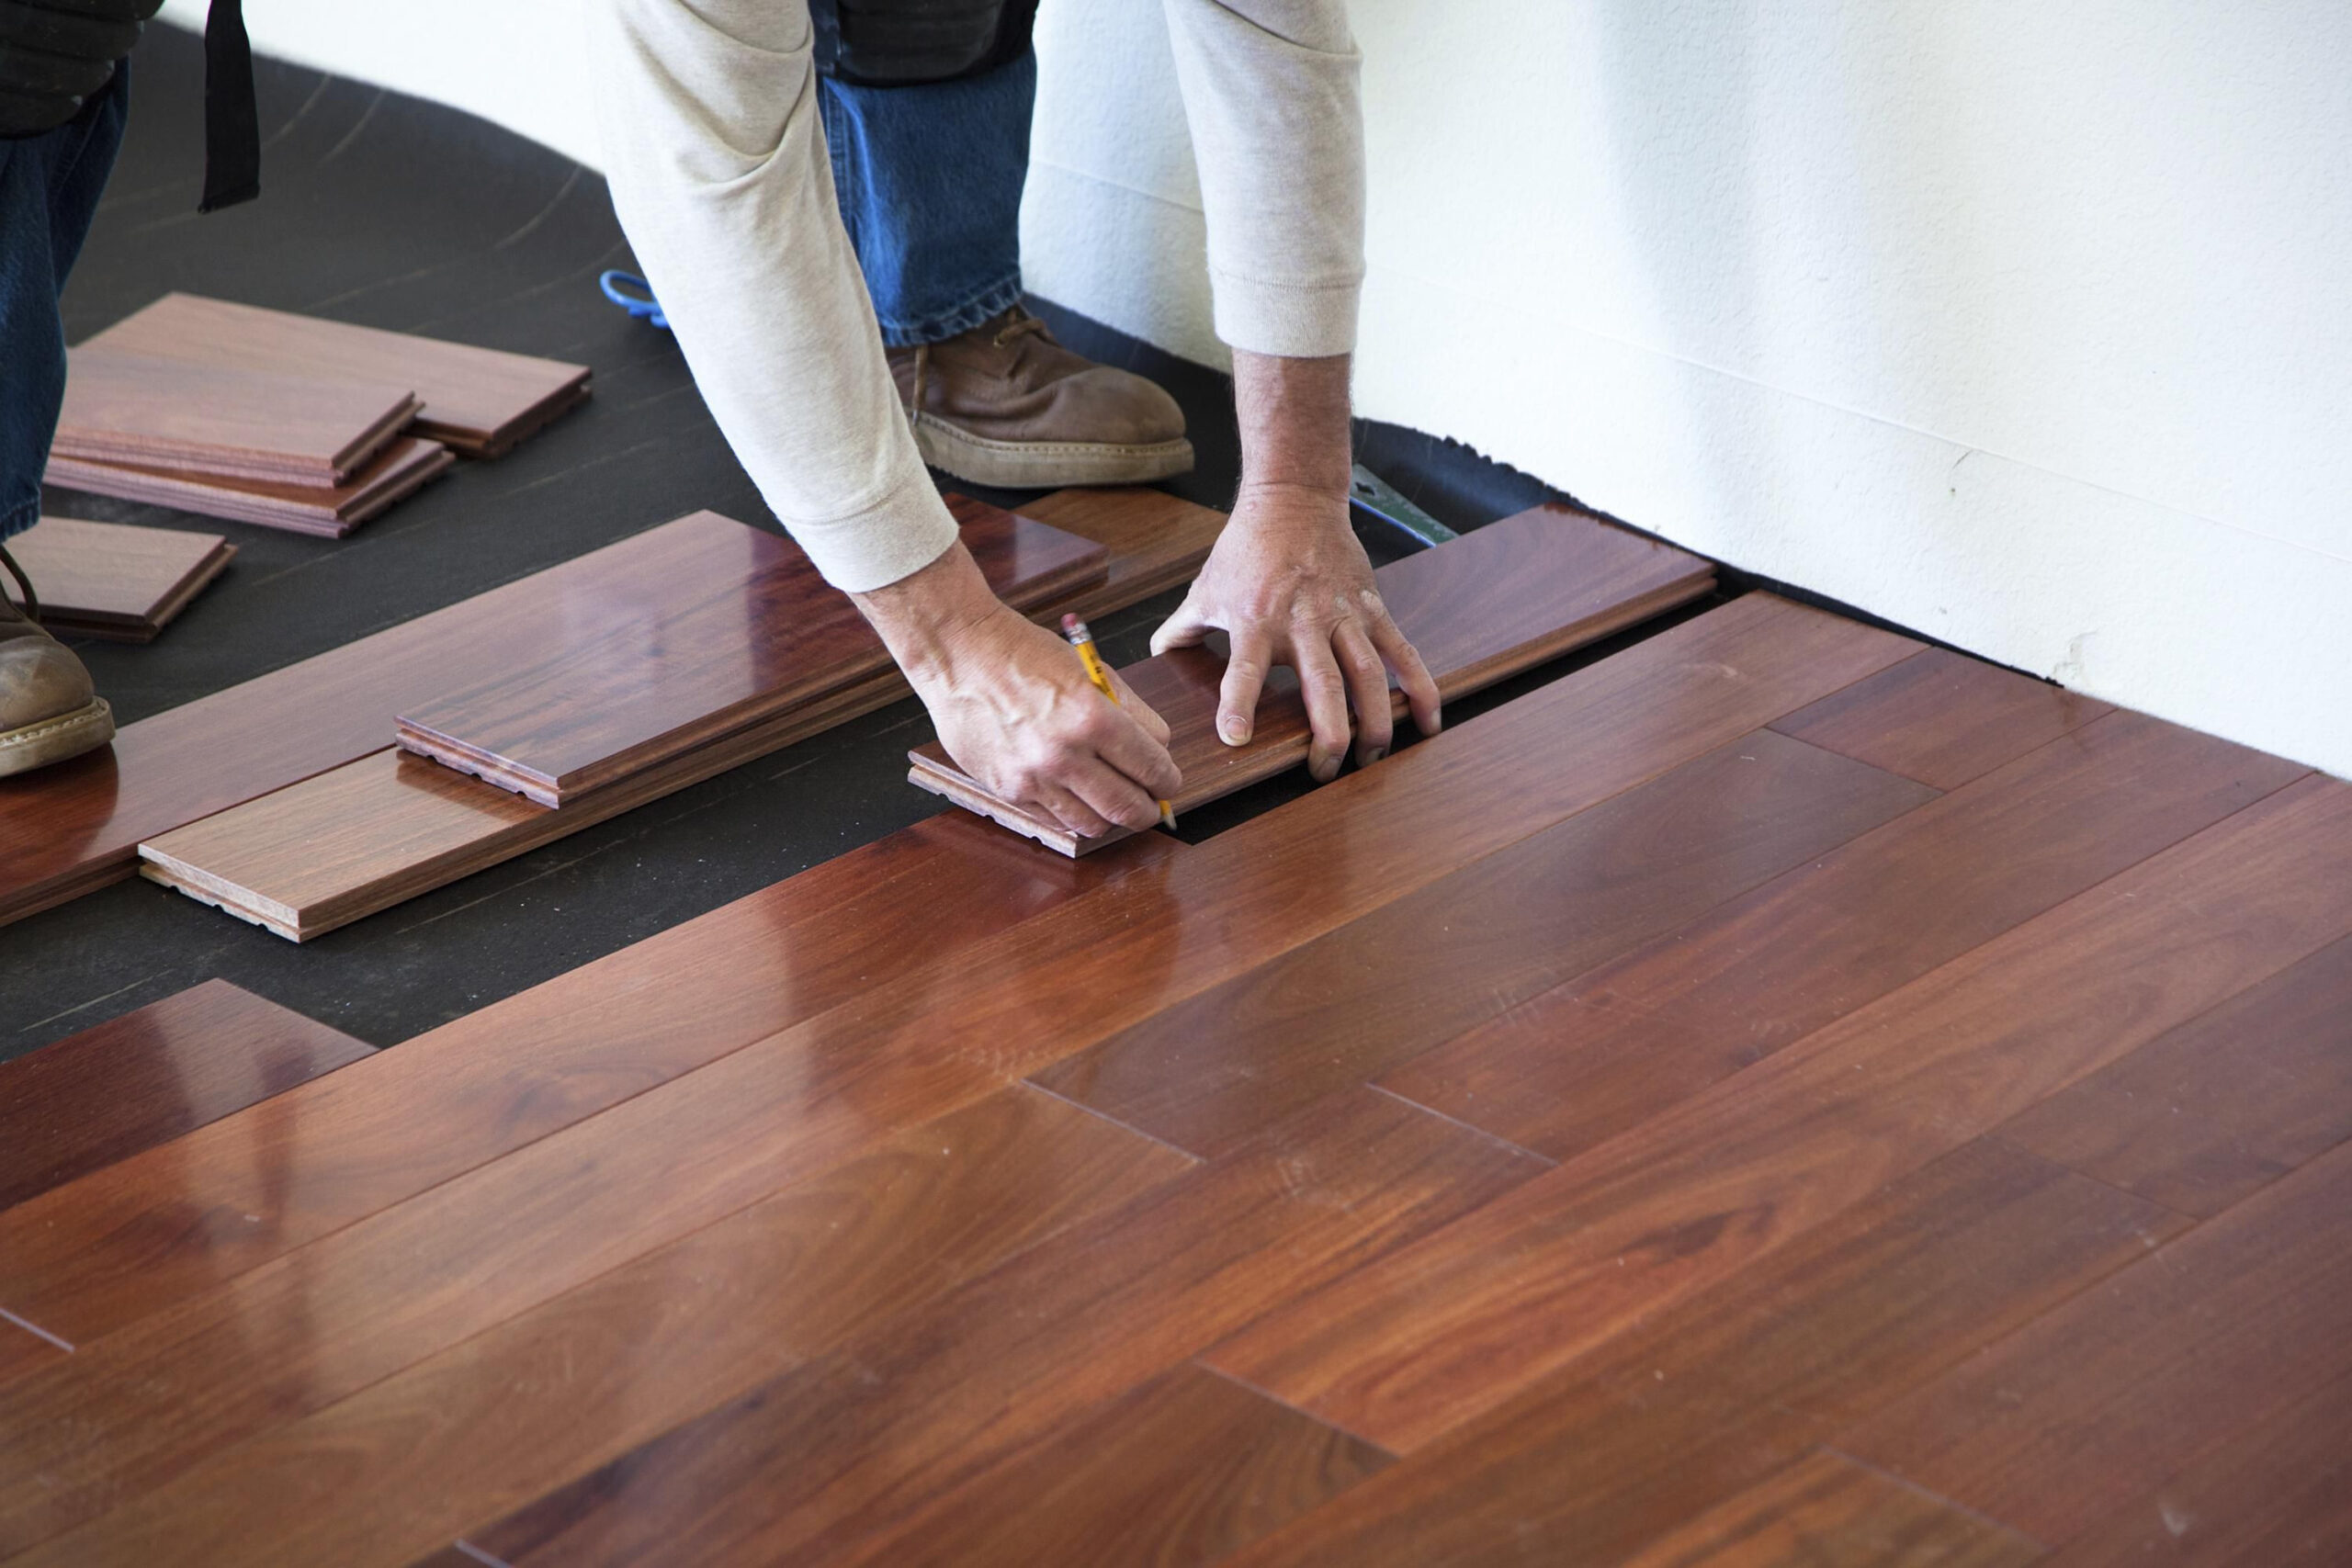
(151, 1075)
(77, 826)
(1605, 1050)
(1411, 1347)
(1340, 1009)
(2101, 1399)
(1691, 1408)
(2221, 1106)
(1497, 601)
(478, 401)
(210, 419)
(546, 1394)
(2279, 1491)
(1942, 718)
(650, 670)
(1184, 1470)
(401, 469)
(110, 580)
(1825, 1511)
(810, 1462)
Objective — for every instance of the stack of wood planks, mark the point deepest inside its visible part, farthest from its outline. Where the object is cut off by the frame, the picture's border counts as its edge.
(268, 417)
(113, 581)
(1777, 1094)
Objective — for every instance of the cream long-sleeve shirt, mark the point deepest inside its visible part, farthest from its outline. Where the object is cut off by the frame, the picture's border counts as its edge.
(720, 174)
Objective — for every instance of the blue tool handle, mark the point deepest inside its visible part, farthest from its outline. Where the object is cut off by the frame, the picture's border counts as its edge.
(645, 308)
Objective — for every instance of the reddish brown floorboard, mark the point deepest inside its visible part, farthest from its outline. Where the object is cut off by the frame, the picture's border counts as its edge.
(1494, 602)
(1941, 717)
(1220, 1065)
(1410, 1348)
(2102, 1399)
(149, 1077)
(110, 580)
(1608, 1049)
(401, 469)
(2221, 1106)
(1698, 1403)
(210, 419)
(676, 659)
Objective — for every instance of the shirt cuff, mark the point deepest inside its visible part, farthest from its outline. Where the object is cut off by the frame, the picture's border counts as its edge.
(1294, 320)
(899, 537)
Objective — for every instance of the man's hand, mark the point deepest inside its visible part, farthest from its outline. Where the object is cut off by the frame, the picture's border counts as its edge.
(1289, 582)
(1013, 706)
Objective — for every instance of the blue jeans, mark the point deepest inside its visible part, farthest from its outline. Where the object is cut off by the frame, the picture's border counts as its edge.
(49, 192)
(929, 180)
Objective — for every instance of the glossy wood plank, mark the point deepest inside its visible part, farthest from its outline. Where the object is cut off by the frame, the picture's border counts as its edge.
(539, 1397)
(810, 1462)
(110, 580)
(401, 469)
(151, 1075)
(168, 413)
(137, 1239)
(2221, 1106)
(1942, 718)
(674, 662)
(2279, 1492)
(1024, 995)
(1691, 1408)
(1414, 1346)
(1155, 541)
(1608, 1049)
(68, 828)
(1497, 601)
(1185, 1470)
(1340, 1009)
(1825, 1511)
(478, 401)
(2101, 1399)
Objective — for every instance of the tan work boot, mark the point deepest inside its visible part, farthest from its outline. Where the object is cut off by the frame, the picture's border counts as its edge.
(47, 710)
(1004, 404)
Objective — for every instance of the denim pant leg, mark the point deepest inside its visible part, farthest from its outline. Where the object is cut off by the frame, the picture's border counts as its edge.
(49, 192)
(929, 179)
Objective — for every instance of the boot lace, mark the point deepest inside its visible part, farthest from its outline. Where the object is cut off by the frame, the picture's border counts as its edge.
(23, 586)
(1022, 324)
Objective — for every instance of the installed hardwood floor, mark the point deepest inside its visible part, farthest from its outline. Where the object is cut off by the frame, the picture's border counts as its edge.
(1499, 600)
(110, 580)
(1938, 1154)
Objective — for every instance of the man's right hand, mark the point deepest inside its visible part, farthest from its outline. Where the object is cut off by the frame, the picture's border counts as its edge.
(1014, 706)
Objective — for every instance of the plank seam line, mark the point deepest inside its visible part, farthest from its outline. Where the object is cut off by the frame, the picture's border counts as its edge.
(1993, 1134)
(1201, 1360)
(1938, 1498)
(479, 1555)
(1547, 1162)
(37, 1330)
(1104, 1116)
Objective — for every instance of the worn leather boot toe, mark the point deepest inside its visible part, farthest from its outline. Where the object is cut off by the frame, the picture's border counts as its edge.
(47, 710)
(1004, 404)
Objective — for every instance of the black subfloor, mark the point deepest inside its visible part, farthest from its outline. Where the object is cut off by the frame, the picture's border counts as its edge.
(397, 213)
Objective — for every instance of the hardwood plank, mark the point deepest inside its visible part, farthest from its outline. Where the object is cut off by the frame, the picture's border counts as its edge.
(2206, 1115)
(208, 418)
(1497, 601)
(1018, 996)
(1717, 1394)
(1155, 541)
(401, 469)
(808, 1463)
(534, 1399)
(1942, 718)
(2277, 1493)
(1184, 1470)
(24, 1347)
(1424, 1341)
(1825, 1511)
(1609, 1049)
(70, 828)
(140, 1236)
(110, 580)
(677, 662)
(478, 401)
(151, 1075)
(1418, 971)
(2100, 1400)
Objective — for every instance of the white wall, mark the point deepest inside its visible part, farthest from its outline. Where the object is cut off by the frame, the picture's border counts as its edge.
(2027, 325)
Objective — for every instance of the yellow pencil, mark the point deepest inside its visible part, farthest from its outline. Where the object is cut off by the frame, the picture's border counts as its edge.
(1083, 640)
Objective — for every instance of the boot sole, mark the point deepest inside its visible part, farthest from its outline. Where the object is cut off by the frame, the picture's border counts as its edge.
(1045, 465)
(55, 739)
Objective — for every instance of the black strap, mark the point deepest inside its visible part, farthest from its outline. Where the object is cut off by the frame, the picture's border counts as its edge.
(231, 123)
